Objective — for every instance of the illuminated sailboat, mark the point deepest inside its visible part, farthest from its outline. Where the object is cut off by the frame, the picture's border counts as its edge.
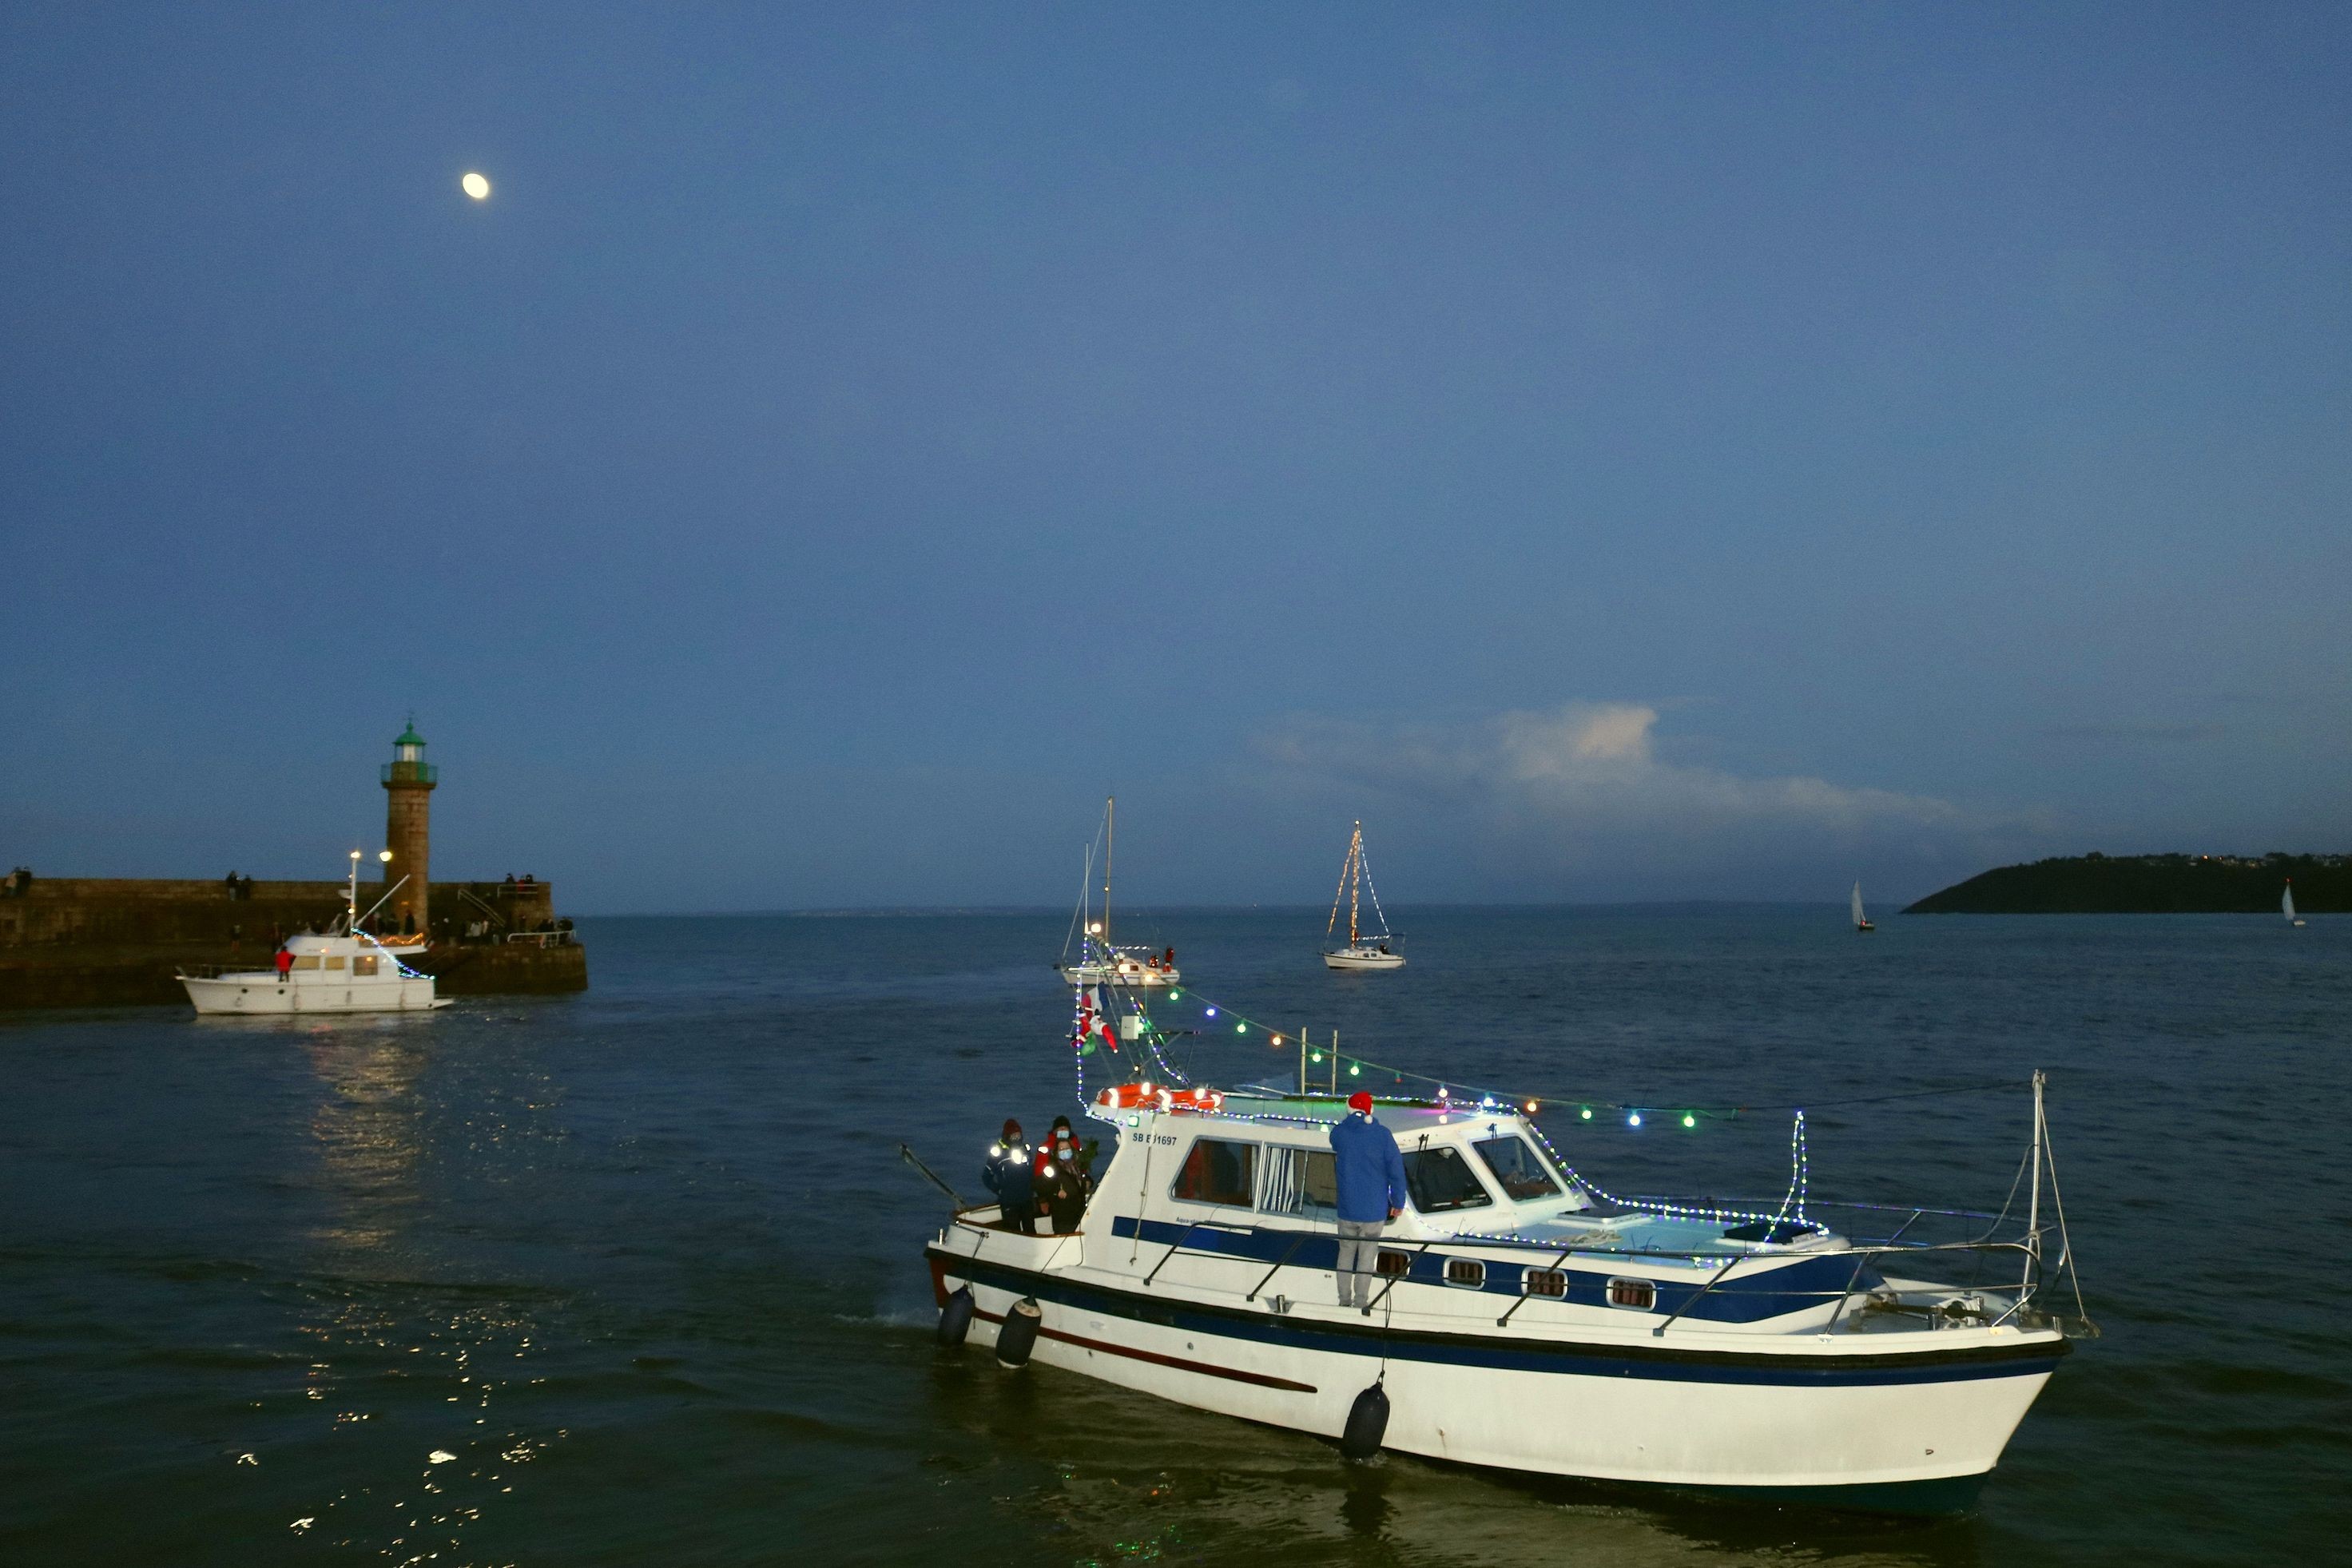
(1861, 921)
(1364, 950)
(1098, 963)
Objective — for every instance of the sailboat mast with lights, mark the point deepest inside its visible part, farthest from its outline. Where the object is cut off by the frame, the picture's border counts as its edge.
(1363, 951)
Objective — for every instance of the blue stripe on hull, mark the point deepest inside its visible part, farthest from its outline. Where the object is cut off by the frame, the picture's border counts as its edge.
(1663, 1362)
(1743, 1297)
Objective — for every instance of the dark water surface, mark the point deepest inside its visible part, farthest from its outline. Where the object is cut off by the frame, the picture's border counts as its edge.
(644, 1265)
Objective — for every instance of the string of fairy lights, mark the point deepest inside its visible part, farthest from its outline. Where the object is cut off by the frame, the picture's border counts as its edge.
(1092, 1028)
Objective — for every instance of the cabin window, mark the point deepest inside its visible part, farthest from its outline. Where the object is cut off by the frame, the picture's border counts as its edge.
(1466, 1272)
(308, 961)
(1641, 1295)
(334, 960)
(1296, 1181)
(1217, 1170)
(1441, 1179)
(364, 964)
(1513, 1162)
(1547, 1282)
(1395, 1265)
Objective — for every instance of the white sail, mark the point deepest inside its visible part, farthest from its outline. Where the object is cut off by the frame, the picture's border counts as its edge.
(1857, 905)
(2286, 902)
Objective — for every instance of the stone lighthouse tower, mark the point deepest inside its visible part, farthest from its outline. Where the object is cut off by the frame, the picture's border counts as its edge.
(408, 781)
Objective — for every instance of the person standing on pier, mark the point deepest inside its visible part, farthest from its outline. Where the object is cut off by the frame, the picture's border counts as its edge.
(1371, 1176)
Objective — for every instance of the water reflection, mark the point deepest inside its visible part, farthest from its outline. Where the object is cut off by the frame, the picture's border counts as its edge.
(367, 1129)
(409, 1354)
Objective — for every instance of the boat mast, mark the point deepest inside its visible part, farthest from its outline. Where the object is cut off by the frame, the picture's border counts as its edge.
(1356, 881)
(1111, 835)
(2033, 1202)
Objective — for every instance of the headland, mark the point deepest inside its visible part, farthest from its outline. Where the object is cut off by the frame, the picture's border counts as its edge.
(2098, 884)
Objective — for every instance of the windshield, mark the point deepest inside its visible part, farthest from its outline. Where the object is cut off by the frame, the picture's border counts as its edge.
(1440, 1179)
(1515, 1165)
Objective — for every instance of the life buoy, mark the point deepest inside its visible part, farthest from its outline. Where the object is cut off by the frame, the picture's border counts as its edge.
(1159, 1097)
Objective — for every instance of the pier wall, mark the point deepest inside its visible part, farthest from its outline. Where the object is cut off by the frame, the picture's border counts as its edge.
(116, 942)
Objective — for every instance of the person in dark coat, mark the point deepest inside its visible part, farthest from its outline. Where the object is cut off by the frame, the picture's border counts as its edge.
(1007, 1175)
(1370, 1172)
(1060, 1177)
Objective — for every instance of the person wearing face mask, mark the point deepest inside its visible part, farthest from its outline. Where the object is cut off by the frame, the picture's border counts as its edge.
(1060, 1175)
(1007, 1174)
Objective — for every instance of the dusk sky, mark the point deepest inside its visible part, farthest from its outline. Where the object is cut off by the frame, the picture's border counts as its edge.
(1617, 451)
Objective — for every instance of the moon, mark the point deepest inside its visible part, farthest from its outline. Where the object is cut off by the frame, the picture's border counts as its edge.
(476, 186)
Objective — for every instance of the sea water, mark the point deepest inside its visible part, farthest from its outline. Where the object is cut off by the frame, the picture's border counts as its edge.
(635, 1277)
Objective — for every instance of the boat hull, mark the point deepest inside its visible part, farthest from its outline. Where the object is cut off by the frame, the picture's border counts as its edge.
(1861, 1430)
(1118, 975)
(260, 994)
(1353, 959)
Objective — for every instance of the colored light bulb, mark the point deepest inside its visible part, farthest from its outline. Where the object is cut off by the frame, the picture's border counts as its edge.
(1633, 1118)
(1689, 1119)
(1585, 1113)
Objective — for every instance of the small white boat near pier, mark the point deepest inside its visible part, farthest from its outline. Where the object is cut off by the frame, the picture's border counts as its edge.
(348, 971)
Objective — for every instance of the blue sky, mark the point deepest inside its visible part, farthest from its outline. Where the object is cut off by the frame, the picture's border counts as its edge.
(1617, 451)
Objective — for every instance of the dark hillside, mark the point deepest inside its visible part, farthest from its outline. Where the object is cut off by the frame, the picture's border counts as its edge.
(2150, 884)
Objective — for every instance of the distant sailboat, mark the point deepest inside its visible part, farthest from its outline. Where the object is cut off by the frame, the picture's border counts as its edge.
(1861, 921)
(2286, 903)
(1098, 962)
(1364, 950)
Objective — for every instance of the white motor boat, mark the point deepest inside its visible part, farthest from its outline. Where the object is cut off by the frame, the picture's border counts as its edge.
(1097, 962)
(1522, 1320)
(1364, 950)
(344, 972)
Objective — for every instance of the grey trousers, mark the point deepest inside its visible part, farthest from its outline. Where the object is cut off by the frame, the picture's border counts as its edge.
(1360, 1255)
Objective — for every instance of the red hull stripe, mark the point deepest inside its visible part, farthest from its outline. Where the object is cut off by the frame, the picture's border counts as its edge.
(1178, 1362)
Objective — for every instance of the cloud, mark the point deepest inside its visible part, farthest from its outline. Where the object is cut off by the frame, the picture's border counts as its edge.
(1576, 801)
(2156, 729)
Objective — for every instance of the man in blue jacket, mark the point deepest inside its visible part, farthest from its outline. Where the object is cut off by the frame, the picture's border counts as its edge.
(1370, 1176)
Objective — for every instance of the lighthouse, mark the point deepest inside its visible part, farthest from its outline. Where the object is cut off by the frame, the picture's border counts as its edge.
(408, 781)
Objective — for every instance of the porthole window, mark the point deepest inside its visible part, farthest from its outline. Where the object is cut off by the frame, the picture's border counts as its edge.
(1465, 1271)
(1547, 1282)
(1641, 1295)
(1395, 1265)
